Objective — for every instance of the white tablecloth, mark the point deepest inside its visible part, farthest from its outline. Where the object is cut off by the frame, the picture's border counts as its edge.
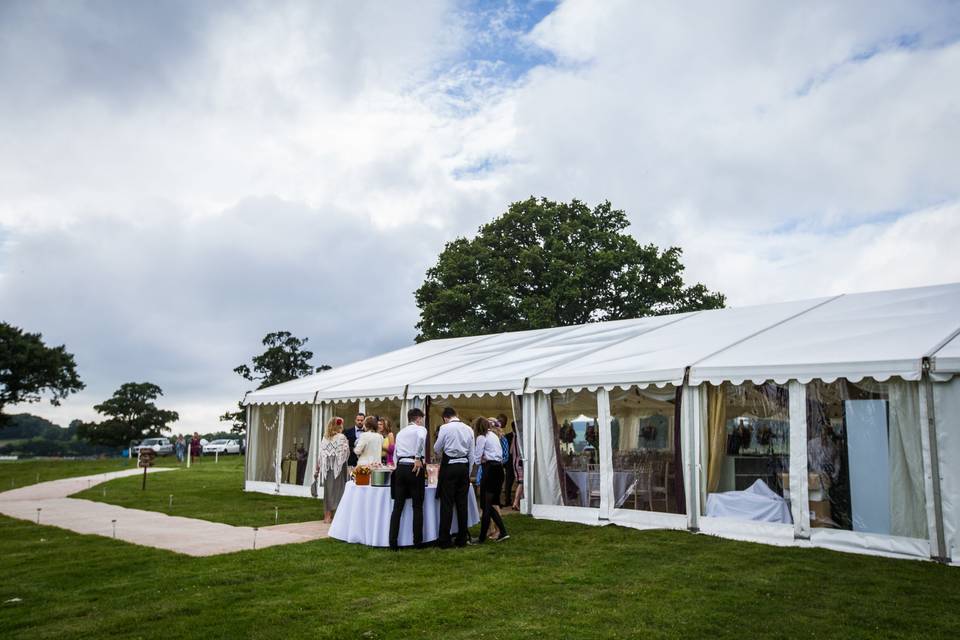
(622, 485)
(758, 502)
(364, 516)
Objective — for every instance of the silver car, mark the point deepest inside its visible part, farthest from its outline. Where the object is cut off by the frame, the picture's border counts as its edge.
(162, 446)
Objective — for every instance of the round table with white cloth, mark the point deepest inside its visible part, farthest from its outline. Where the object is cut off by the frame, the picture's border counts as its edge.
(364, 516)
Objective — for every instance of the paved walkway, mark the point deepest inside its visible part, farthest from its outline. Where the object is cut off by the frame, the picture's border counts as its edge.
(149, 528)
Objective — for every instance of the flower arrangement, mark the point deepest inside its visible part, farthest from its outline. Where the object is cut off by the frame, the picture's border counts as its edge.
(361, 474)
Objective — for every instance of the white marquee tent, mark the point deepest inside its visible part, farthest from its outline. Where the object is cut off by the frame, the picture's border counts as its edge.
(829, 422)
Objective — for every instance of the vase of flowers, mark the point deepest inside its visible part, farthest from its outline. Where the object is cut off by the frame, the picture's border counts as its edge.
(361, 475)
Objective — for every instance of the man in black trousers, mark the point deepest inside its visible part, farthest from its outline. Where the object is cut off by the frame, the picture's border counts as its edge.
(455, 445)
(407, 480)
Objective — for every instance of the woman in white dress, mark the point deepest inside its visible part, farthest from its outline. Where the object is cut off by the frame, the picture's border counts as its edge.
(369, 444)
(332, 466)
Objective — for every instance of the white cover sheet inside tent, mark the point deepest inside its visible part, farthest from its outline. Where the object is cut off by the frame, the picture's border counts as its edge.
(878, 335)
(662, 354)
(506, 371)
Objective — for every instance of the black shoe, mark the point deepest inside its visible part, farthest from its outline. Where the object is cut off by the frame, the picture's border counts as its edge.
(505, 536)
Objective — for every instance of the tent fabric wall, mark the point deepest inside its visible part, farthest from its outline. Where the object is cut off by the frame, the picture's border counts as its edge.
(946, 402)
(547, 489)
(908, 517)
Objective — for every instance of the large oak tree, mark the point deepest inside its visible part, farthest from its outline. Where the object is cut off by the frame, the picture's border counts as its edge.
(29, 369)
(131, 414)
(550, 264)
(285, 358)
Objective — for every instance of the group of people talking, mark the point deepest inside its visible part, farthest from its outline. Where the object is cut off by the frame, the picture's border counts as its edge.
(459, 449)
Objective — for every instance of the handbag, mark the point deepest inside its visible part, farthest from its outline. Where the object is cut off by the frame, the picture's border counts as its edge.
(313, 488)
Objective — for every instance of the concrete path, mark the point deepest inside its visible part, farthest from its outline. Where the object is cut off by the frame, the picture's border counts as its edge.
(149, 528)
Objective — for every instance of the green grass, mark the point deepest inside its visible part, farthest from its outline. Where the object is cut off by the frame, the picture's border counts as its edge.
(551, 580)
(208, 490)
(20, 473)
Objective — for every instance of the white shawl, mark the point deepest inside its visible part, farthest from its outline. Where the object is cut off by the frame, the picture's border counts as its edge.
(333, 453)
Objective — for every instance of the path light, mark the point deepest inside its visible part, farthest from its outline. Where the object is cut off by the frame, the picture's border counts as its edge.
(38, 515)
(170, 505)
(104, 491)
(255, 529)
(114, 523)
(276, 515)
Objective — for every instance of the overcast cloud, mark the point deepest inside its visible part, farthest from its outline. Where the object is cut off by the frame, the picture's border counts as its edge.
(177, 179)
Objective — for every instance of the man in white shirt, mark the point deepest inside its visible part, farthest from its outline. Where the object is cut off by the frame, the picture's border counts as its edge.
(407, 479)
(455, 446)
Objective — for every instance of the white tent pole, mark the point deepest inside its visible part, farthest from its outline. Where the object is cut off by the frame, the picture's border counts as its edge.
(799, 489)
(530, 461)
(690, 428)
(606, 454)
(246, 455)
(278, 456)
(931, 465)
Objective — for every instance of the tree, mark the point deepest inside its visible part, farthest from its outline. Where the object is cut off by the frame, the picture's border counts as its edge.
(285, 359)
(29, 368)
(131, 415)
(549, 264)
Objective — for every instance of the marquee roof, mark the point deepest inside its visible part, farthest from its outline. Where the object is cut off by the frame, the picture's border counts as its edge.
(878, 334)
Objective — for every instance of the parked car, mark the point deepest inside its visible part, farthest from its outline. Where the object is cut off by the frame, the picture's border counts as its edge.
(162, 446)
(222, 446)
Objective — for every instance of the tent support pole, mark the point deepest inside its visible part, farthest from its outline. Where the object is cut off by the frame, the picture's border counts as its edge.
(926, 387)
(246, 448)
(689, 426)
(798, 471)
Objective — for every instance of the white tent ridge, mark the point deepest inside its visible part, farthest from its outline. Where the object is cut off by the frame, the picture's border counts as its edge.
(878, 335)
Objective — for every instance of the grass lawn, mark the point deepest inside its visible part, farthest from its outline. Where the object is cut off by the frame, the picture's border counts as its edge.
(550, 580)
(20, 473)
(208, 490)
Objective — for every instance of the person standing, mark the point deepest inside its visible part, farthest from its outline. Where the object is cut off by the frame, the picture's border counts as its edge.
(351, 435)
(407, 481)
(455, 446)
(369, 444)
(516, 462)
(331, 467)
(389, 441)
(488, 451)
(181, 448)
(508, 472)
(196, 449)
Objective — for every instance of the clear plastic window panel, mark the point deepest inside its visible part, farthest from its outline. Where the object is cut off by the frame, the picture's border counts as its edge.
(268, 428)
(747, 452)
(864, 457)
(468, 410)
(643, 423)
(389, 409)
(296, 443)
(577, 447)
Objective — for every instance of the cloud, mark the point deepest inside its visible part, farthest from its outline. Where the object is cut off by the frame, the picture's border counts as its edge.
(180, 179)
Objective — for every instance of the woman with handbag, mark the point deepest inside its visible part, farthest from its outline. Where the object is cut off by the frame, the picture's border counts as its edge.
(332, 466)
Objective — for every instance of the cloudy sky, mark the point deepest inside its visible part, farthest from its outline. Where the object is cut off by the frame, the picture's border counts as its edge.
(179, 178)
